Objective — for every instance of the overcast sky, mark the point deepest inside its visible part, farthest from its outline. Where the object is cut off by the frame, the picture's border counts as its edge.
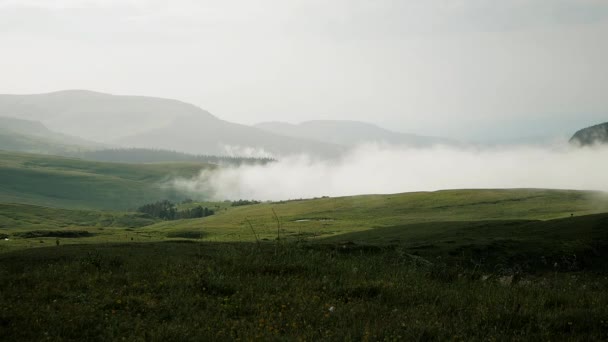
(459, 68)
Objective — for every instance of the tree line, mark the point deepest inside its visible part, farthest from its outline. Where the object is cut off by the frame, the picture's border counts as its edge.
(244, 202)
(167, 210)
(146, 155)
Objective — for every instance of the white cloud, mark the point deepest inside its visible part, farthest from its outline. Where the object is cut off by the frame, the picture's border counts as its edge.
(68, 4)
(376, 169)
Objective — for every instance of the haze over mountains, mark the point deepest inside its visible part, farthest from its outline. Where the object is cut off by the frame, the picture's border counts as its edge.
(348, 133)
(96, 116)
(33, 137)
(74, 120)
(204, 135)
(148, 122)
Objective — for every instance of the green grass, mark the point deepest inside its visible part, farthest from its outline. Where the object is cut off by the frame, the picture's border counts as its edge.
(570, 243)
(24, 216)
(472, 217)
(201, 292)
(328, 217)
(461, 264)
(25, 226)
(73, 183)
(528, 228)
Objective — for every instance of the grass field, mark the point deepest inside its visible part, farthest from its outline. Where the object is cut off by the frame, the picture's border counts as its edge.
(520, 264)
(326, 217)
(73, 183)
(528, 229)
(216, 291)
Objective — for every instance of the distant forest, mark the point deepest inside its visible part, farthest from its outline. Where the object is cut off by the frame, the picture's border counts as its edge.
(167, 210)
(145, 155)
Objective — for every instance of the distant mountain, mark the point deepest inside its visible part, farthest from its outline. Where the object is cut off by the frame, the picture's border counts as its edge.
(148, 122)
(593, 135)
(32, 136)
(96, 116)
(347, 133)
(203, 135)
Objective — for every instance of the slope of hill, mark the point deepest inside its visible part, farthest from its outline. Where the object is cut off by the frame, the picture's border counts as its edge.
(96, 116)
(72, 183)
(19, 217)
(200, 135)
(328, 217)
(148, 122)
(593, 135)
(347, 133)
(33, 137)
(483, 223)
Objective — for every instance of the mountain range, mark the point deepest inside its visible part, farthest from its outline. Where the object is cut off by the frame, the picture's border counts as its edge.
(76, 120)
(348, 133)
(149, 122)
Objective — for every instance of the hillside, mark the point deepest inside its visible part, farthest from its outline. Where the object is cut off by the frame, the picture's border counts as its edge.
(33, 137)
(328, 217)
(429, 223)
(593, 135)
(25, 217)
(96, 116)
(479, 264)
(72, 183)
(347, 133)
(148, 122)
(201, 135)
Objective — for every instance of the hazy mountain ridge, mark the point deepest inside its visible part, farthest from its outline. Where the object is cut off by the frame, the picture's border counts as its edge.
(148, 122)
(214, 136)
(97, 116)
(348, 133)
(593, 135)
(32, 136)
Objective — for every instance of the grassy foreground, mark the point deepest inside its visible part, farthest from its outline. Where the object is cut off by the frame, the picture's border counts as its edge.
(451, 265)
(211, 291)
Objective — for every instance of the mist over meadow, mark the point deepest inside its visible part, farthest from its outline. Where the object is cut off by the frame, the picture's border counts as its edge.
(377, 168)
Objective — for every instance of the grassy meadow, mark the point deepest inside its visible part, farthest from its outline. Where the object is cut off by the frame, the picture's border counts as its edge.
(177, 291)
(77, 263)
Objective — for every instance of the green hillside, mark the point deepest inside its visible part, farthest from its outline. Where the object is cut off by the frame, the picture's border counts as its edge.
(572, 242)
(30, 217)
(72, 183)
(326, 217)
(477, 264)
(443, 220)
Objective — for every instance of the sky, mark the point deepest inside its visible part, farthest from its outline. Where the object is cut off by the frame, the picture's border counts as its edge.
(468, 69)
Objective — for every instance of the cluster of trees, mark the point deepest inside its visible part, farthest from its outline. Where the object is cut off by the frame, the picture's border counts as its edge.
(146, 155)
(195, 212)
(244, 202)
(166, 210)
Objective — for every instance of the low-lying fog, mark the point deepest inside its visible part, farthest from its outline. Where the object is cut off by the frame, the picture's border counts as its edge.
(376, 168)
